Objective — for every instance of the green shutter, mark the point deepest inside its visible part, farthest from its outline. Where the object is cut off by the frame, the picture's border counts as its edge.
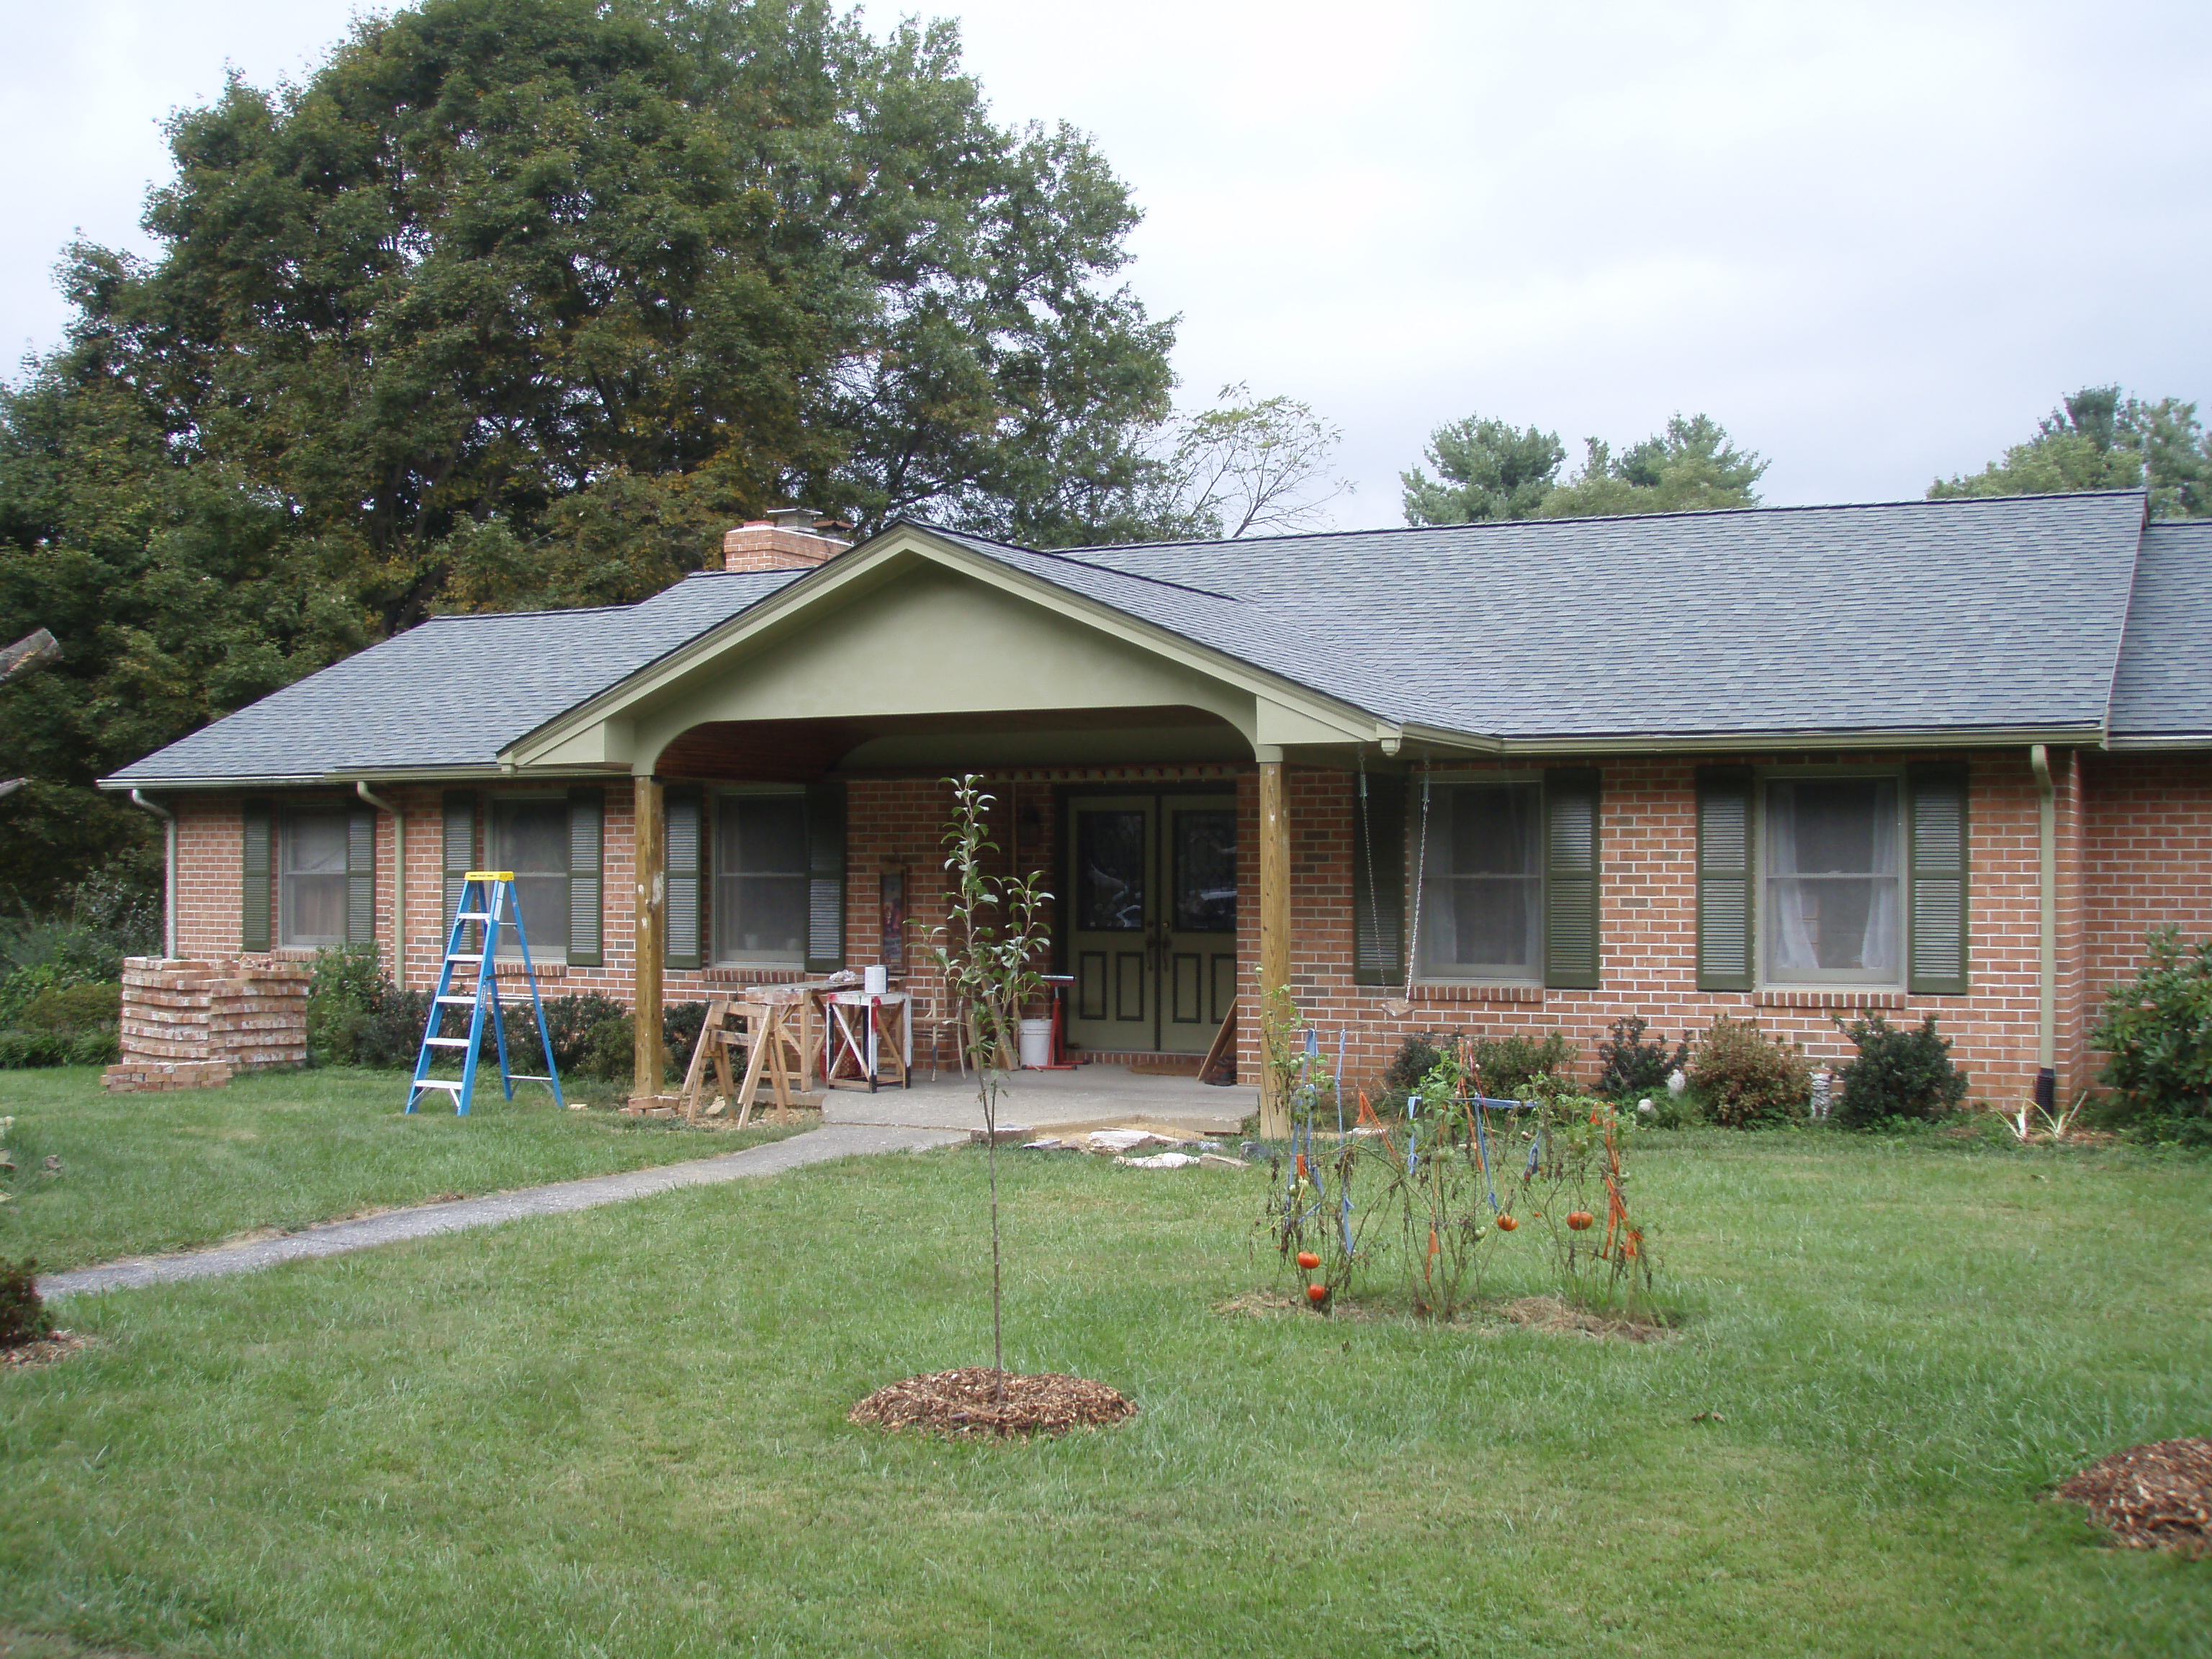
(1570, 879)
(361, 876)
(257, 876)
(1725, 879)
(460, 858)
(825, 869)
(1937, 795)
(1378, 882)
(684, 821)
(588, 812)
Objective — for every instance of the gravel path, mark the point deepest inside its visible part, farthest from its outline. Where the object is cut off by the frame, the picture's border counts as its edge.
(832, 1140)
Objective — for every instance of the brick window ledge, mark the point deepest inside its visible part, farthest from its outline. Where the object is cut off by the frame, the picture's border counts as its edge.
(512, 970)
(1809, 997)
(1444, 991)
(767, 973)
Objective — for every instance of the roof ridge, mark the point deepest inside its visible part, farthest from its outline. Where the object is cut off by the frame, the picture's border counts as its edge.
(1065, 556)
(1601, 518)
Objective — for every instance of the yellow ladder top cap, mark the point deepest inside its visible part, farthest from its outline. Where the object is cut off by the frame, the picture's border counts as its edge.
(489, 875)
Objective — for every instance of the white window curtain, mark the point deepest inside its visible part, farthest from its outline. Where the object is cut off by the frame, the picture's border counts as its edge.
(1482, 900)
(1832, 900)
(311, 879)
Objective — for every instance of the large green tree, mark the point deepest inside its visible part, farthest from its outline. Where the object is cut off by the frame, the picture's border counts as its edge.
(2103, 439)
(1491, 470)
(1485, 470)
(520, 302)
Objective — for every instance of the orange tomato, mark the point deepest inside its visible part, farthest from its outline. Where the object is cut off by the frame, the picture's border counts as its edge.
(1580, 1219)
(1308, 1261)
(1506, 1223)
(1316, 1293)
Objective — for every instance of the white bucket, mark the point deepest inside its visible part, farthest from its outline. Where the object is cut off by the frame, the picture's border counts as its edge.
(1036, 1044)
(875, 981)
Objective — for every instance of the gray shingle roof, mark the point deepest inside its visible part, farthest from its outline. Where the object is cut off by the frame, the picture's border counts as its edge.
(450, 694)
(1959, 614)
(1962, 616)
(2164, 688)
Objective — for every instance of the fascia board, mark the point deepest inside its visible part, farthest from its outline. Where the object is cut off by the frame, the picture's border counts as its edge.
(2082, 734)
(2157, 740)
(857, 567)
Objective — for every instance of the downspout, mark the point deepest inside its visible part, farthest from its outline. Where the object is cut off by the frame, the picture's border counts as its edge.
(2046, 838)
(169, 869)
(398, 883)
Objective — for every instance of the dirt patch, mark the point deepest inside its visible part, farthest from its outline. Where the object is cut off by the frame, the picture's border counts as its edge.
(49, 1350)
(1548, 1313)
(1274, 1304)
(964, 1404)
(2153, 1497)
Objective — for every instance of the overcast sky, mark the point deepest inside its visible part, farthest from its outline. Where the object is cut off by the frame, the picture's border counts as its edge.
(1875, 242)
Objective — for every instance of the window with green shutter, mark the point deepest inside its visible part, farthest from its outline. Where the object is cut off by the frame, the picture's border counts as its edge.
(825, 876)
(1726, 879)
(683, 822)
(588, 809)
(1937, 877)
(257, 875)
(1571, 879)
(1378, 881)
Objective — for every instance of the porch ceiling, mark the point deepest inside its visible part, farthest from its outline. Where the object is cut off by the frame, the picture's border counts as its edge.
(800, 751)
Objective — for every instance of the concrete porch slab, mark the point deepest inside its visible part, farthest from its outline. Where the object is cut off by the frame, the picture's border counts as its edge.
(1052, 1102)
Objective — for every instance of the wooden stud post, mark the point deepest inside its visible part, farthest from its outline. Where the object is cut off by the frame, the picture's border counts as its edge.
(1274, 930)
(651, 844)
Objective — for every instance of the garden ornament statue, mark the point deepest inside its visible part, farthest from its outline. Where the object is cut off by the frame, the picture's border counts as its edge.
(1678, 1083)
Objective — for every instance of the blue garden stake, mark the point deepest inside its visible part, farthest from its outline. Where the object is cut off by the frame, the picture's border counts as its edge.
(1413, 1130)
(1344, 1195)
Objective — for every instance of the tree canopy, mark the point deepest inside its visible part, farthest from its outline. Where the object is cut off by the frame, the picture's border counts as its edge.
(1490, 469)
(520, 303)
(2103, 439)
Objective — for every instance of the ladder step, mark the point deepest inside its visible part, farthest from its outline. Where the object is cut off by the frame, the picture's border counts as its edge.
(509, 999)
(447, 1043)
(471, 915)
(527, 1076)
(478, 956)
(439, 1082)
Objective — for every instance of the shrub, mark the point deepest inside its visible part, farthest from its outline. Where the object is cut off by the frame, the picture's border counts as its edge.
(1899, 1073)
(577, 1025)
(24, 1317)
(1747, 1078)
(342, 1001)
(1416, 1058)
(2158, 1031)
(72, 1009)
(1509, 1065)
(1633, 1066)
(21, 1050)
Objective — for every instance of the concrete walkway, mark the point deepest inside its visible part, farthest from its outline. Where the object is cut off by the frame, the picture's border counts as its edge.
(832, 1140)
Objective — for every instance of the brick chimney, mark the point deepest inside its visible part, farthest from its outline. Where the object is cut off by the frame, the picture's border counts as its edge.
(789, 538)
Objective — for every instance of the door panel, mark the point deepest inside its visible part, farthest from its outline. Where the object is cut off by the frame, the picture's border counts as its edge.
(1152, 938)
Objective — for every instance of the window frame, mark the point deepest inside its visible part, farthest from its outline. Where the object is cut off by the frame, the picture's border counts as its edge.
(1829, 979)
(551, 952)
(713, 875)
(1416, 881)
(288, 816)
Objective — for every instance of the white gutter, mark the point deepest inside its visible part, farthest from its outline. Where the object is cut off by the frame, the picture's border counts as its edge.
(2046, 839)
(398, 883)
(169, 869)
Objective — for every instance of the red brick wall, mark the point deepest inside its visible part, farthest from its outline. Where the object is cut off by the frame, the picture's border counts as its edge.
(2135, 849)
(2146, 857)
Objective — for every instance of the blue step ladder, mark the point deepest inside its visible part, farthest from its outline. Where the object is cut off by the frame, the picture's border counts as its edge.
(488, 902)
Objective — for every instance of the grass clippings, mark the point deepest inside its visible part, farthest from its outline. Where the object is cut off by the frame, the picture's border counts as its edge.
(964, 1404)
(48, 1350)
(2153, 1497)
(1548, 1313)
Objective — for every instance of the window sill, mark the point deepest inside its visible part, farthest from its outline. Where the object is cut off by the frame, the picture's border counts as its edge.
(752, 972)
(511, 968)
(1474, 991)
(1829, 996)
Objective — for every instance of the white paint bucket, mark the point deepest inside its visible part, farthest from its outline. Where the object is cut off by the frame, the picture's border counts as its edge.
(875, 981)
(1036, 1044)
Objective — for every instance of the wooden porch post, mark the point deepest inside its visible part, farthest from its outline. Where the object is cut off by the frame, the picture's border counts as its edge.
(1275, 929)
(651, 895)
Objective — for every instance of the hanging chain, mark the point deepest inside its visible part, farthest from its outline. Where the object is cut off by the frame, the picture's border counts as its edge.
(1420, 869)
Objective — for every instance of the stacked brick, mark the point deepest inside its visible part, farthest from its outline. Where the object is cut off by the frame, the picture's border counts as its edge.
(193, 1023)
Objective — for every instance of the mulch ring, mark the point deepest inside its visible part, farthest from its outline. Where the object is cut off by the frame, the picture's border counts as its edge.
(1548, 1313)
(2153, 1497)
(49, 1350)
(964, 1404)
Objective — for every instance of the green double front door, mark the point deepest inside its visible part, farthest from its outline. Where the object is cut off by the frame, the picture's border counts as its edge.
(1151, 921)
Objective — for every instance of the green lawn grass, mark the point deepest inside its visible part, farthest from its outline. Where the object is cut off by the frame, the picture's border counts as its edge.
(151, 1172)
(622, 1432)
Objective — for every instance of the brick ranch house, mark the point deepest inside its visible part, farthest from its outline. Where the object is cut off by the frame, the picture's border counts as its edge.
(1949, 757)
